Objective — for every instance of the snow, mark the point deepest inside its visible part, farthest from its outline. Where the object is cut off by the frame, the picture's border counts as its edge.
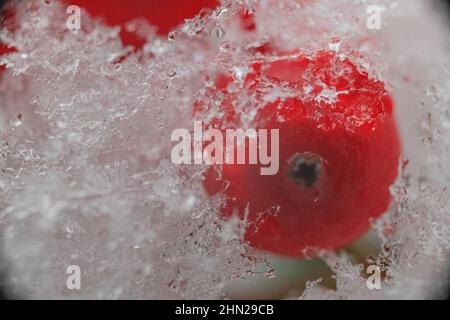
(87, 179)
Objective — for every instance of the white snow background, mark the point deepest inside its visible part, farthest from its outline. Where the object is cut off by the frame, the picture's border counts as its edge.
(86, 173)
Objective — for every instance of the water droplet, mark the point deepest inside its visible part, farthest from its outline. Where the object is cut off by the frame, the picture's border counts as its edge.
(225, 46)
(17, 123)
(271, 273)
(219, 32)
(316, 196)
(172, 73)
(335, 45)
(171, 36)
(188, 203)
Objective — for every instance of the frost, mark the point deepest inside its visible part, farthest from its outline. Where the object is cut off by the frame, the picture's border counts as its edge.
(86, 177)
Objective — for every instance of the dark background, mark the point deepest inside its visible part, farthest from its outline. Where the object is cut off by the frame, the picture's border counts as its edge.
(2, 282)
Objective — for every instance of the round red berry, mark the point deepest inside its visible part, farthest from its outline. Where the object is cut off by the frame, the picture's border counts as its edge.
(339, 152)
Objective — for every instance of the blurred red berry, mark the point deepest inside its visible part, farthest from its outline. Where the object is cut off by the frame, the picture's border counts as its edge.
(165, 15)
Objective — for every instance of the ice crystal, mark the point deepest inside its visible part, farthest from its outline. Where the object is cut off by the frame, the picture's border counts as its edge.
(86, 177)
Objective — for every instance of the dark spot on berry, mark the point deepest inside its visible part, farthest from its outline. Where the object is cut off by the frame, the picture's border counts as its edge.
(305, 169)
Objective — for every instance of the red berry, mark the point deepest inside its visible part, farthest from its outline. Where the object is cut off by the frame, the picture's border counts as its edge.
(165, 15)
(339, 152)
